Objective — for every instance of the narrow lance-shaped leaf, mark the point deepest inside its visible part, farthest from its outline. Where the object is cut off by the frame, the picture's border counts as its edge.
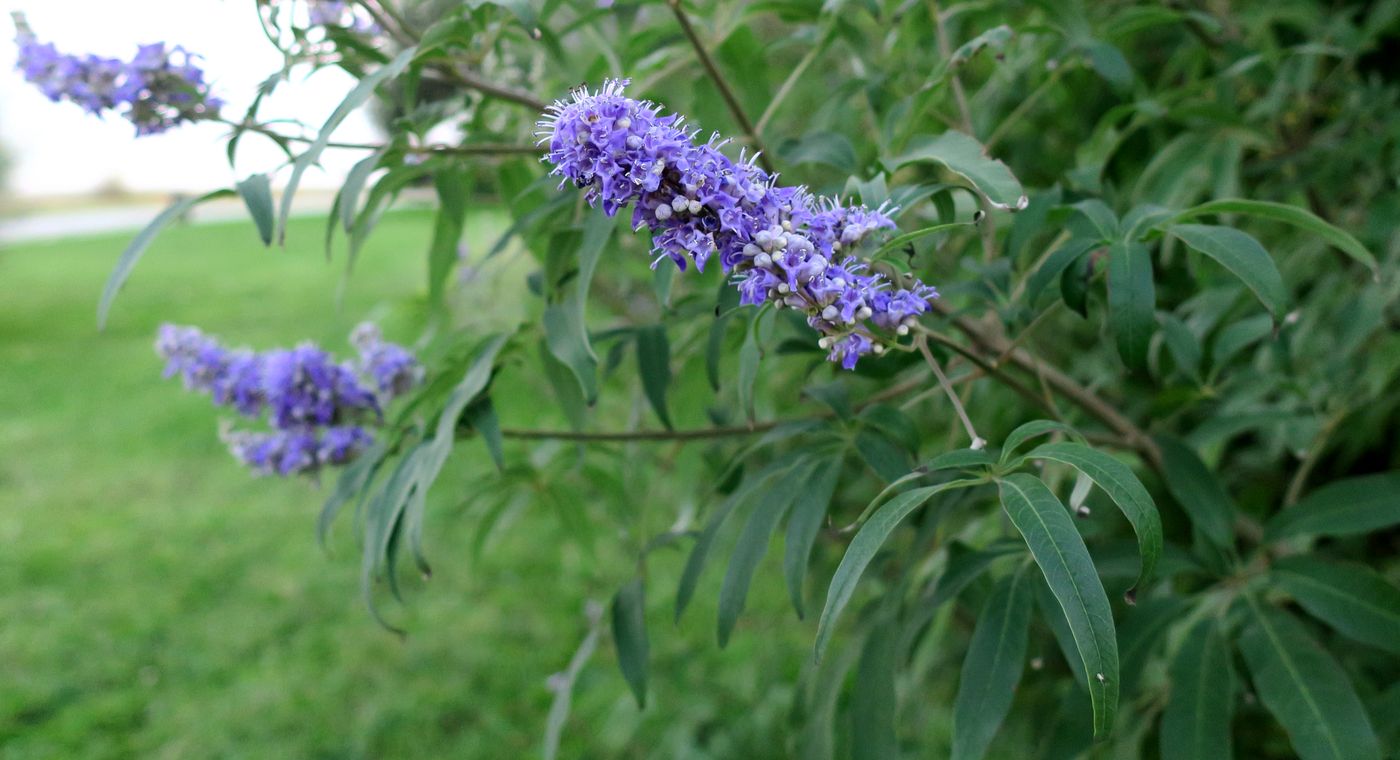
(1343, 508)
(1196, 722)
(1198, 491)
(565, 328)
(1243, 256)
(1131, 300)
(862, 550)
(1305, 689)
(1055, 264)
(256, 192)
(629, 627)
(1122, 486)
(654, 366)
(1060, 553)
(353, 100)
(996, 656)
(808, 511)
(451, 183)
(874, 703)
(966, 157)
(1030, 431)
(138, 246)
(752, 545)
(1352, 598)
(1282, 212)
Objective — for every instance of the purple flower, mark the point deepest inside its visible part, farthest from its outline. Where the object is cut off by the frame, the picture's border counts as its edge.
(781, 245)
(305, 386)
(393, 369)
(159, 88)
(316, 406)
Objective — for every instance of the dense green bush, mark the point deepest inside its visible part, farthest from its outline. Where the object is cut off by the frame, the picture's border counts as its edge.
(1163, 235)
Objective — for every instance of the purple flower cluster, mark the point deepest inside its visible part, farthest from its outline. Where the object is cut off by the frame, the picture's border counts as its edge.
(781, 244)
(318, 407)
(160, 88)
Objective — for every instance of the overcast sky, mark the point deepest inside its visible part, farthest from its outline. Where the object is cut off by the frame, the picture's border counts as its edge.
(60, 149)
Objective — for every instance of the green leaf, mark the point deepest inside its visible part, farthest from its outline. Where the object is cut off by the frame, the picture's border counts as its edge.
(1185, 348)
(830, 148)
(1060, 553)
(1100, 217)
(966, 157)
(959, 459)
(1352, 598)
(899, 241)
(966, 566)
(1300, 218)
(1131, 300)
(862, 550)
(629, 628)
(1055, 264)
(138, 246)
(256, 192)
(654, 365)
(1243, 256)
(749, 355)
(1342, 508)
(451, 181)
(996, 656)
(700, 553)
(808, 512)
(1109, 63)
(482, 417)
(1123, 487)
(1198, 491)
(752, 545)
(874, 703)
(1305, 689)
(351, 484)
(1196, 722)
(1030, 431)
(1237, 337)
(566, 332)
(353, 100)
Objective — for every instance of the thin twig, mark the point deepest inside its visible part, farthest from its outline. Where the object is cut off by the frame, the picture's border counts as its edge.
(1061, 382)
(1024, 106)
(791, 81)
(724, 90)
(1319, 444)
(977, 440)
(476, 149)
(986, 227)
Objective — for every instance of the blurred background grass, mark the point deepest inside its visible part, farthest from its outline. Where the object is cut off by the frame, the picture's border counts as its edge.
(157, 602)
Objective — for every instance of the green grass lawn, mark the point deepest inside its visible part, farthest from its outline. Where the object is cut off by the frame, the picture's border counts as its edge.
(157, 602)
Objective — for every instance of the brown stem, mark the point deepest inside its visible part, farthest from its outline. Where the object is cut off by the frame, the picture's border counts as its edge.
(1062, 383)
(724, 90)
(476, 149)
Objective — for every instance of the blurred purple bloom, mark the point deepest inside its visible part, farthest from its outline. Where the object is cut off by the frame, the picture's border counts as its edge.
(781, 244)
(159, 88)
(316, 405)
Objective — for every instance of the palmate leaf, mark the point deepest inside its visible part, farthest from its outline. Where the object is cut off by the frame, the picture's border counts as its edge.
(1196, 722)
(1122, 486)
(996, 656)
(1305, 689)
(1069, 572)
